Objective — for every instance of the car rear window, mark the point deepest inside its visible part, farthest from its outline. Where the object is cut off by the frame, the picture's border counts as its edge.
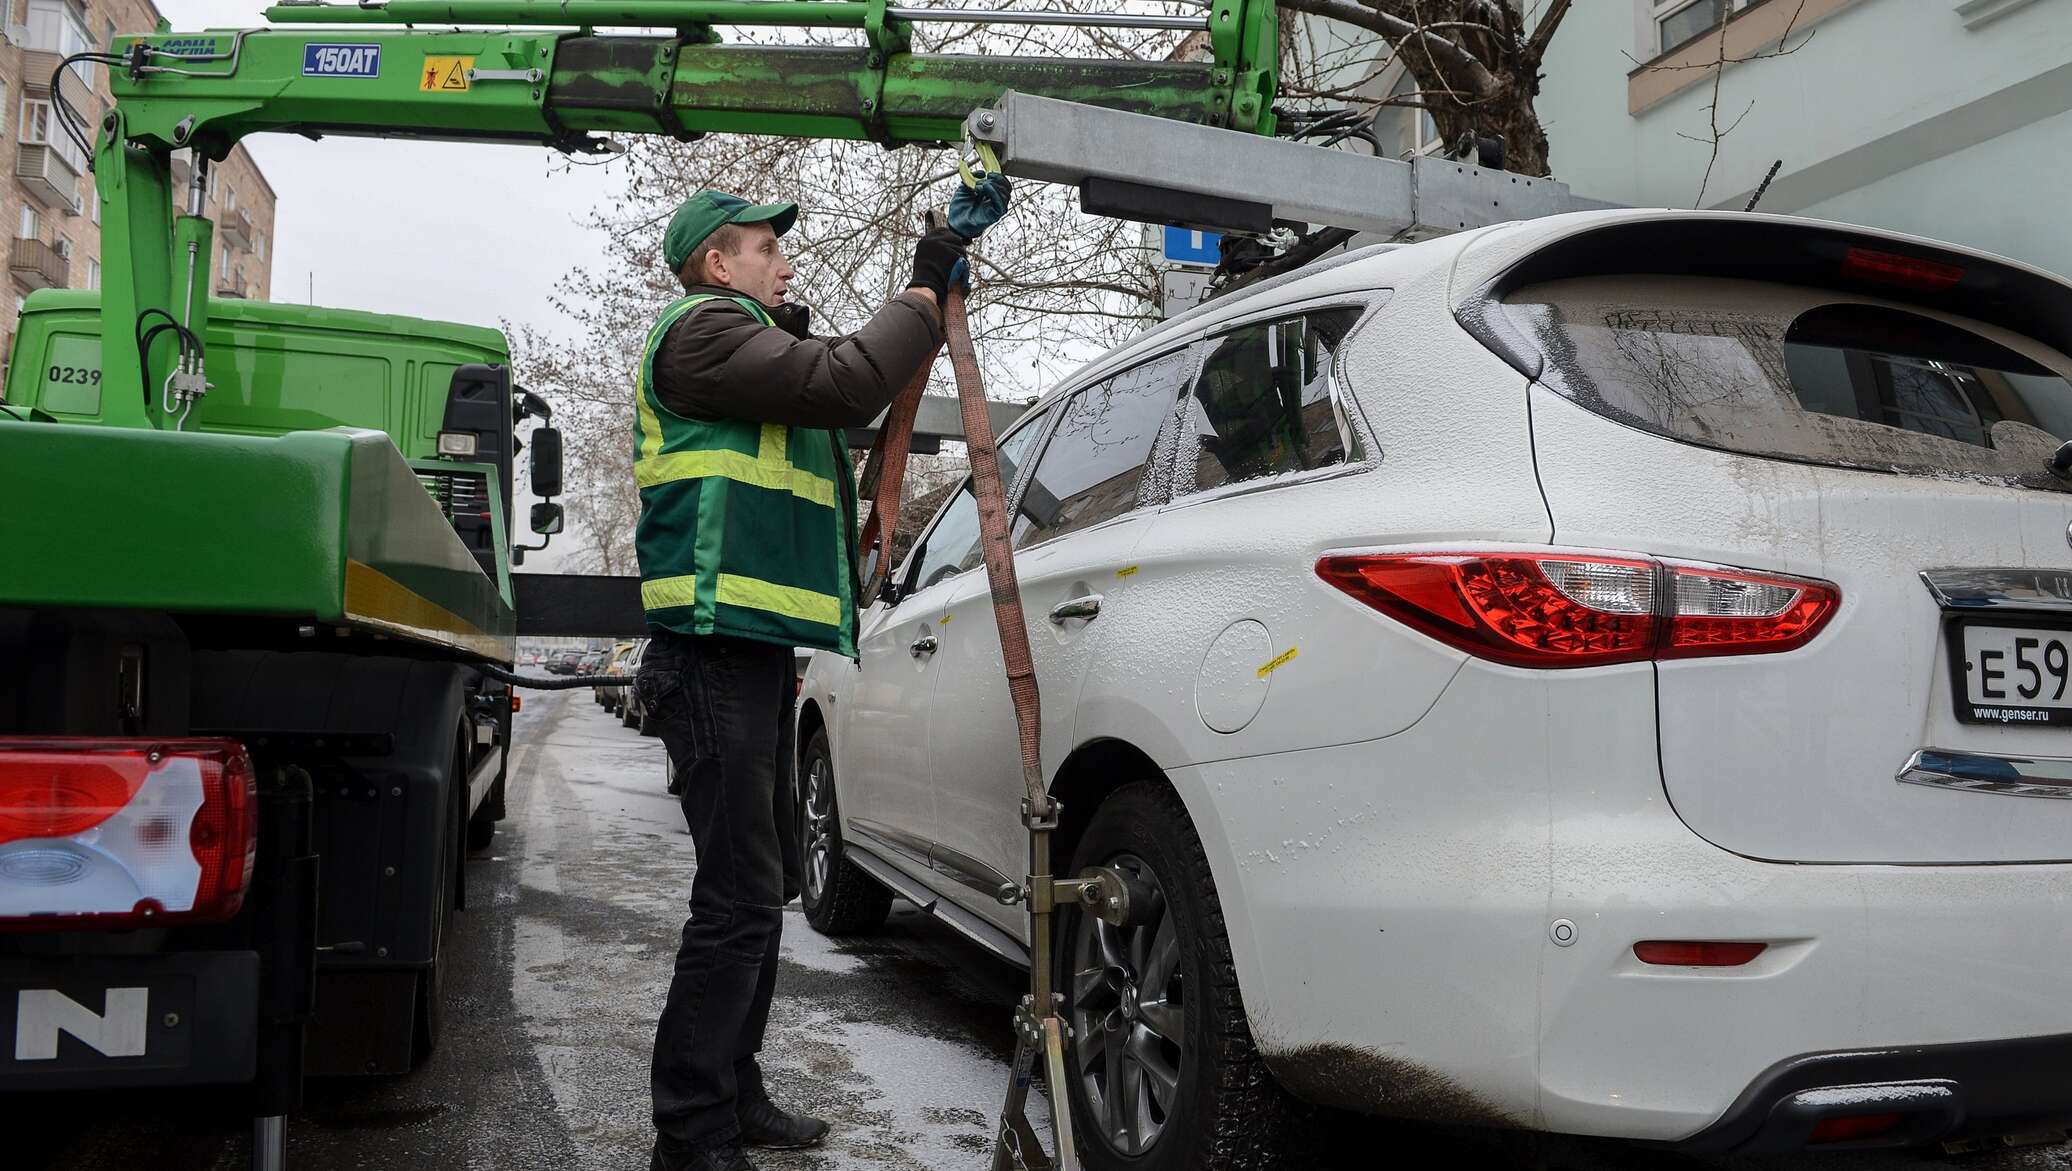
(1804, 374)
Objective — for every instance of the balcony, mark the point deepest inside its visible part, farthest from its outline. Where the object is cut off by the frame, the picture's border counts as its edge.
(37, 67)
(47, 177)
(230, 289)
(236, 227)
(38, 265)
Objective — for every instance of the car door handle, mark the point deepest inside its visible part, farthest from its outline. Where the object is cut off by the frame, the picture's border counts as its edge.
(924, 645)
(1088, 607)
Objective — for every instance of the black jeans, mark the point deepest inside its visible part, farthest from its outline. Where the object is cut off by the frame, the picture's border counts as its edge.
(724, 706)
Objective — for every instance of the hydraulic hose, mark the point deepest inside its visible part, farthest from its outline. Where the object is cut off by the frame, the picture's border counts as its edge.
(566, 683)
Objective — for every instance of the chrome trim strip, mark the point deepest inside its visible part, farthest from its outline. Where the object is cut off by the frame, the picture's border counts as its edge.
(1978, 772)
(911, 846)
(1998, 589)
(963, 922)
(969, 871)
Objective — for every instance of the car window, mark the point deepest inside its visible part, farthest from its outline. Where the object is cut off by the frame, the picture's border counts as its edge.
(1262, 404)
(1093, 467)
(952, 546)
(1800, 373)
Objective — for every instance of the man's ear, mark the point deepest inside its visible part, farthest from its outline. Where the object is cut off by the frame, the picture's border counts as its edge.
(716, 268)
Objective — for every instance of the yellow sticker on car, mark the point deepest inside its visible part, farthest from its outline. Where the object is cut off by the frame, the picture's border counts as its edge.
(445, 75)
(1279, 661)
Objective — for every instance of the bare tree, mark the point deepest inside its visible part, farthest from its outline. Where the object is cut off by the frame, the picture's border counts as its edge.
(1477, 65)
(1715, 132)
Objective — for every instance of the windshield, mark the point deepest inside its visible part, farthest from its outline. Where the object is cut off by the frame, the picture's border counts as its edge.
(1804, 374)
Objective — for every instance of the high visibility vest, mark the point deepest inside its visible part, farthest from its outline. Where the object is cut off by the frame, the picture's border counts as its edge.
(746, 529)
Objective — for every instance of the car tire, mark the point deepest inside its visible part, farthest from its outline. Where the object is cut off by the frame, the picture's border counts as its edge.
(1222, 1109)
(838, 897)
(627, 716)
(645, 723)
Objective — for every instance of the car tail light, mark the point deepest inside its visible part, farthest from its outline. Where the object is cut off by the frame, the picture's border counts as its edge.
(1585, 609)
(124, 833)
(1907, 272)
(1850, 1127)
(1680, 953)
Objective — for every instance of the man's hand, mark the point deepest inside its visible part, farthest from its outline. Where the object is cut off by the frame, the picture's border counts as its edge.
(974, 209)
(936, 260)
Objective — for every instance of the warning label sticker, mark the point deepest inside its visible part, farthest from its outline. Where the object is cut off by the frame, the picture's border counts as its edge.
(445, 74)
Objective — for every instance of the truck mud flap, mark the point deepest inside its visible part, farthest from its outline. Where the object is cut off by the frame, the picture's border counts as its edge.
(177, 1019)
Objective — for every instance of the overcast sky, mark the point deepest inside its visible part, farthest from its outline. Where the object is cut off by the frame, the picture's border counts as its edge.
(458, 232)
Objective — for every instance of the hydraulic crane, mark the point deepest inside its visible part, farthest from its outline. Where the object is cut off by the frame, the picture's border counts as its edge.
(537, 80)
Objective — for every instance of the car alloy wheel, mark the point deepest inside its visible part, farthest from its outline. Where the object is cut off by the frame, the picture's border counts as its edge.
(1129, 1018)
(817, 820)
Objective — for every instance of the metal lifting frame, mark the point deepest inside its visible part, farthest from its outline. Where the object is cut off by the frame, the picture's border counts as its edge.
(1136, 167)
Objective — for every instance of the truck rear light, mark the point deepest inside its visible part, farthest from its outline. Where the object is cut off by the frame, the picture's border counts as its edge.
(1584, 609)
(1682, 953)
(124, 833)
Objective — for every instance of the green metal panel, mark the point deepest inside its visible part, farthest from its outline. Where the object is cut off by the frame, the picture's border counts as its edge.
(275, 368)
(136, 518)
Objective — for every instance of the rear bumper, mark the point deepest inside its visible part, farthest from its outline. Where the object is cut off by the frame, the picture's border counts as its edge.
(1440, 924)
(109, 1022)
(1939, 1092)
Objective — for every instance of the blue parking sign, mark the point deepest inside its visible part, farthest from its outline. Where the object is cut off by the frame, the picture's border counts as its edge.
(1187, 246)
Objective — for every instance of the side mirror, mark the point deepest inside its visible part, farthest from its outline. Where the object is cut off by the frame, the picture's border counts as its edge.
(546, 466)
(546, 519)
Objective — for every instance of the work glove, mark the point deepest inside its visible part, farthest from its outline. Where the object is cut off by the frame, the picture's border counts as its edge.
(939, 262)
(974, 209)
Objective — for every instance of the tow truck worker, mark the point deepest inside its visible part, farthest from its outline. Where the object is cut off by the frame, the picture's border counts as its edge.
(746, 543)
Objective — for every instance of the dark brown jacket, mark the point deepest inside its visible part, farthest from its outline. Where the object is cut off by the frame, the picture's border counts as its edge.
(719, 362)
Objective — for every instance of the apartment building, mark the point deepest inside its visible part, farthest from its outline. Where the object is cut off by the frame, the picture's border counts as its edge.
(1945, 118)
(50, 201)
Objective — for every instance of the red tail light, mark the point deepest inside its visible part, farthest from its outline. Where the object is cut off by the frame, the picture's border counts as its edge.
(1907, 272)
(108, 833)
(1678, 953)
(1584, 609)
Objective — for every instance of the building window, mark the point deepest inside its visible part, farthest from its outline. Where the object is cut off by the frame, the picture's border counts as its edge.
(31, 225)
(229, 198)
(57, 27)
(259, 245)
(36, 131)
(226, 262)
(1679, 22)
(93, 273)
(1416, 132)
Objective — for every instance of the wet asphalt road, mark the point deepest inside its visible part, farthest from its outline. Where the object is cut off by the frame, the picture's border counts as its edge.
(559, 967)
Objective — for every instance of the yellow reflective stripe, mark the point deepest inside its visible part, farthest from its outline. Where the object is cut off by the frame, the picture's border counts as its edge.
(790, 601)
(650, 425)
(771, 444)
(746, 592)
(664, 592)
(779, 476)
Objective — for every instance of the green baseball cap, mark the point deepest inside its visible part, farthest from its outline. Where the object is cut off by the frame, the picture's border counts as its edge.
(703, 213)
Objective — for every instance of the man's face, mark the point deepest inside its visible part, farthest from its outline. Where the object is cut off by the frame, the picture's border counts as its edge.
(757, 269)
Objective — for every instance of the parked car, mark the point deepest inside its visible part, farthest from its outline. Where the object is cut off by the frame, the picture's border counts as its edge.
(631, 713)
(589, 663)
(1592, 674)
(564, 662)
(610, 666)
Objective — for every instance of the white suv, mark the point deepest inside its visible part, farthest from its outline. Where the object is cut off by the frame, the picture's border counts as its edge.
(1606, 674)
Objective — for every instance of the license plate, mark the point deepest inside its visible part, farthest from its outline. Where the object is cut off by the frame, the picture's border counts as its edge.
(2012, 674)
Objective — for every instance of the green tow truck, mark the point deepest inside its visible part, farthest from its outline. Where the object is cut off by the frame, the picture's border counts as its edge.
(255, 560)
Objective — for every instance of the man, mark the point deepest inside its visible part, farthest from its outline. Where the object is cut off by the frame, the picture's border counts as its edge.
(747, 542)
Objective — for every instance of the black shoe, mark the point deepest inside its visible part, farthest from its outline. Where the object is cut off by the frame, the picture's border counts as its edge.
(764, 1125)
(671, 1155)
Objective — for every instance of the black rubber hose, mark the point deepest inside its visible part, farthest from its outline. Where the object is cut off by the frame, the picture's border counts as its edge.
(566, 683)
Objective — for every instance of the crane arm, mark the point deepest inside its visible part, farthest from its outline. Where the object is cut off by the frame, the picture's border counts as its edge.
(526, 75)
